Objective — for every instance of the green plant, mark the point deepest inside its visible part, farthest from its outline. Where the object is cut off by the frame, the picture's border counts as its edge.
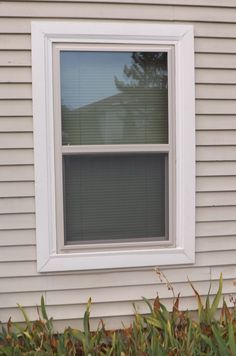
(159, 333)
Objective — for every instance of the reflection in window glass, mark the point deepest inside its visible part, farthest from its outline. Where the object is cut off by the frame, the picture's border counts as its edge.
(114, 97)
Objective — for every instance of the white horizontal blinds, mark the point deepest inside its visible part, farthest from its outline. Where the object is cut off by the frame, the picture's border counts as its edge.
(114, 97)
(114, 196)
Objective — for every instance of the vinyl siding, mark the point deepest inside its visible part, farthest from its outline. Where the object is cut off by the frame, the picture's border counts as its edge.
(114, 291)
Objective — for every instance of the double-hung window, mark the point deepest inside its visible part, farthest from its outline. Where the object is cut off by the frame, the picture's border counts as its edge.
(114, 144)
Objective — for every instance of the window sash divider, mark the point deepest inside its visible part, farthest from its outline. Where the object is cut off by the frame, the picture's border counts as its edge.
(139, 148)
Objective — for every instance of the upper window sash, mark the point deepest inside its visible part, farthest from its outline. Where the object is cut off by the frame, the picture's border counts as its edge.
(119, 47)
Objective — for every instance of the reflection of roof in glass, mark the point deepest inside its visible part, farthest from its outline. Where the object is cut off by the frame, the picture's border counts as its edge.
(137, 96)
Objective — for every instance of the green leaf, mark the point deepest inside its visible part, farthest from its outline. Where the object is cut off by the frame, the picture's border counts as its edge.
(216, 300)
(43, 309)
(232, 343)
(27, 335)
(25, 316)
(153, 321)
(148, 304)
(199, 301)
(220, 341)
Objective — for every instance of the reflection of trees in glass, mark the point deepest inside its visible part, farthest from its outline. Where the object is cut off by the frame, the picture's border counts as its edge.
(148, 70)
(144, 98)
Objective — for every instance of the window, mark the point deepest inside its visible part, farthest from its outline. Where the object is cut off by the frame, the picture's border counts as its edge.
(113, 135)
(114, 144)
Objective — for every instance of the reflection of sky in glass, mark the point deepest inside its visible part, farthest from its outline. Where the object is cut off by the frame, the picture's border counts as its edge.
(87, 77)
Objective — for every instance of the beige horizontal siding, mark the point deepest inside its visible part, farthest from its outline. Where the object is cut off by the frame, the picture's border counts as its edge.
(15, 58)
(216, 213)
(220, 107)
(16, 124)
(227, 272)
(134, 294)
(216, 258)
(215, 3)
(216, 199)
(90, 280)
(16, 189)
(213, 91)
(114, 10)
(216, 153)
(16, 107)
(216, 76)
(214, 30)
(16, 140)
(17, 237)
(31, 299)
(215, 60)
(15, 75)
(14, 42)
(17, 221)
(216, 243)
(16, 173)
(18, 253)
(215, 45)
(215, 138)
(212, 184)
(17, 205)
(215, 122)
(216, 169)
(214, 228)
(15, 91)
(219, 30)
(16, 156)
(101, 10)
(18, 269)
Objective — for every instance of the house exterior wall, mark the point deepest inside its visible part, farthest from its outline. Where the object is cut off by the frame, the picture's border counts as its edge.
(113, 291)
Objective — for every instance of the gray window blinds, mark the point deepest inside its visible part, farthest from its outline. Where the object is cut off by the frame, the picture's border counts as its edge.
(114, 196)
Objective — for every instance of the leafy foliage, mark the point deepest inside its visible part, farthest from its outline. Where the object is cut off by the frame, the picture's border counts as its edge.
(160, 332)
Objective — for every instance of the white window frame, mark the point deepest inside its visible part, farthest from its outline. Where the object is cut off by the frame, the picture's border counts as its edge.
(92, 33)
(63, 150)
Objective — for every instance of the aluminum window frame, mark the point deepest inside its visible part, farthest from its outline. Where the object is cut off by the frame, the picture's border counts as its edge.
(52, 255)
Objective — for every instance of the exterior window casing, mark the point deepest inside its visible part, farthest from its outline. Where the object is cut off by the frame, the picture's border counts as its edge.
(49, 40)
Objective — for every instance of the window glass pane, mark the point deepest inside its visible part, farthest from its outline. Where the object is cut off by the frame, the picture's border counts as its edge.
(114, 97)
(115, 196)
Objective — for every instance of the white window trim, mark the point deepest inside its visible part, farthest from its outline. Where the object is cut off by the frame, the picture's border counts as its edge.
(44, 35)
